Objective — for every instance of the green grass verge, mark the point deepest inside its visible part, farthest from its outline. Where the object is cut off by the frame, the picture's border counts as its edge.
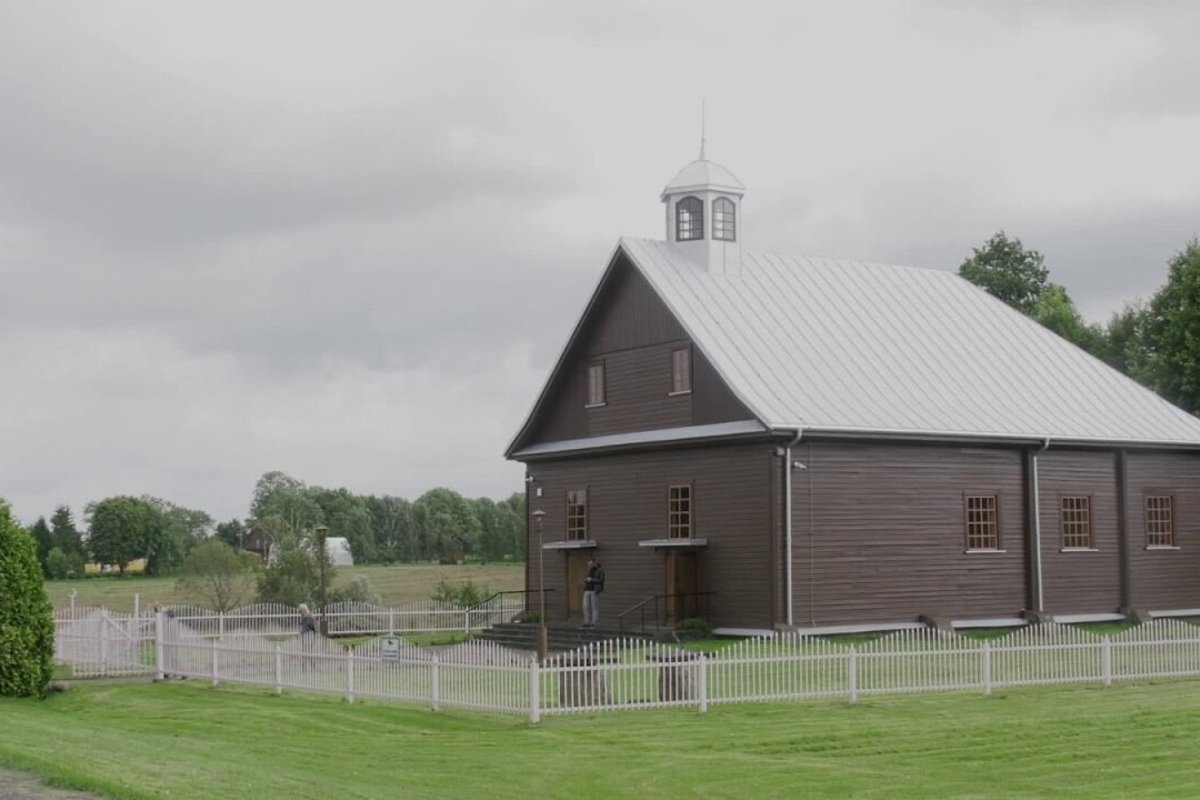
(396, 585)
(188, 740)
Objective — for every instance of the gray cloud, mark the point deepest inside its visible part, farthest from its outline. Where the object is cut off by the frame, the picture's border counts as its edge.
(349, 242)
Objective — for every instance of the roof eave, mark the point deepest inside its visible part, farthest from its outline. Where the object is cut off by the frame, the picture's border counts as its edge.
(979, 437)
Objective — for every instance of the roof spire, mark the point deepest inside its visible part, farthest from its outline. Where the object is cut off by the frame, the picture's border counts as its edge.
(702, 139)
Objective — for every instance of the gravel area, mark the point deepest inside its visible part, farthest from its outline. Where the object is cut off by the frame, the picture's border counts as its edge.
(24, 786)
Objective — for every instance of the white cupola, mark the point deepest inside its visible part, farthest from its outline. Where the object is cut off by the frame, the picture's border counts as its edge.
(703, 204)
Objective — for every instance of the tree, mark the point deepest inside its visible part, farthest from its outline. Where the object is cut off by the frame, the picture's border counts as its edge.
(26, 620)
(1008, 271)
(232, 533)
(447, 522)
(1172, 332)
(63, 532)
(395, 528)
(1055, 310)
(122, 529)
(1125, 341)
(283, 506)
(178, 532)
(294, 577)
(219, 575)
(40, 532)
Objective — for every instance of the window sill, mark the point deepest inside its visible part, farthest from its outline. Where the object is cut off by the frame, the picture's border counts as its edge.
(978, 552)
(1162, 547)
(595, 405)
(1079, 549)
(680, 393)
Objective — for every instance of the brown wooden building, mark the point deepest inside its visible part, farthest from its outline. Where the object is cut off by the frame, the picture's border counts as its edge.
(772, 441)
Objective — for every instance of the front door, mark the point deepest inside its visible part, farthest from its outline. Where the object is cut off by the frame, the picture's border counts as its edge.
(683, 581)
(576, 572)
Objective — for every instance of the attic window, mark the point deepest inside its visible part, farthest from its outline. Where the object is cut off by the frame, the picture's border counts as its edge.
(681, 370)
(596, 384)
(689, 219)
(724, 220)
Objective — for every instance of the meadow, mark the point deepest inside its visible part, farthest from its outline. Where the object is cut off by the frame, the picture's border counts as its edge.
(396, 585)
(183, 739)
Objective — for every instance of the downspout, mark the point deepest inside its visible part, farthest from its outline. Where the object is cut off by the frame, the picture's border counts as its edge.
(787, 524)
(1036, 528)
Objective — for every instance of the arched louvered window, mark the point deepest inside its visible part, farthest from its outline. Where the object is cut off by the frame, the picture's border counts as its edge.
(689, 219)
(724, 220)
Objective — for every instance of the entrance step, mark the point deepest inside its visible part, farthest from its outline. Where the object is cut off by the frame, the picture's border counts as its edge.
(560, 635)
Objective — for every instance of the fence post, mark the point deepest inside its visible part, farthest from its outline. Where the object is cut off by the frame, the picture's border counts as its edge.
(391, 622)
(1106, 660)
(535, 693)
(349, 675)
(278, 669)
(435, 683)
(220, 624)
(158, 645)
(702, 684)
(852, 674)
(985, 653)
(104, 643)
(216, 678)
(137, 606)
(467, 621)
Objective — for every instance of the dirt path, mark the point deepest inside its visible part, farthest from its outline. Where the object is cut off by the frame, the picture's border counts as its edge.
(25, 786)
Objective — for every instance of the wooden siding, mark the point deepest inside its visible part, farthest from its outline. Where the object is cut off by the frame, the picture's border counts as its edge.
(1076, 582)
(879, 533)
(633, 333)
(627, 503)
(1164, 579)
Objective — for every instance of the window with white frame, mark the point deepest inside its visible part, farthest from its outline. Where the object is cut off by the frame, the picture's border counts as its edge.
(596, 396)
(681, 370)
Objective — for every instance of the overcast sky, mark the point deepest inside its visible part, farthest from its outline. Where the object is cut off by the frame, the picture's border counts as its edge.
(347, 240)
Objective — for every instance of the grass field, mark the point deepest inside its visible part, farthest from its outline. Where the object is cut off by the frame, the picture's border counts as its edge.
(188, 740)
(396, 585)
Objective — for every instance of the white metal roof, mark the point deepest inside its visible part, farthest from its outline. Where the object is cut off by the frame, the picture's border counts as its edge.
(704, 174)
(848, 347)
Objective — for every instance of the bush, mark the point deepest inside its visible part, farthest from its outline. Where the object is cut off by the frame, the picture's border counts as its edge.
(26, 621)
(696, 625)
(57, 564)
(466, 594)
(358, 590)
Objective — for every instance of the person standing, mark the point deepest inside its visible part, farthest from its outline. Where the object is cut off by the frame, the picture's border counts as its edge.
(308, 624)
(593, 585)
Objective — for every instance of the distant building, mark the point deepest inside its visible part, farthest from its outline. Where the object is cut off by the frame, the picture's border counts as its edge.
(773, 441)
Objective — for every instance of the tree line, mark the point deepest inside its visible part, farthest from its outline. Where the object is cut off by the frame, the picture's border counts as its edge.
(1156, 342)
(440, 525)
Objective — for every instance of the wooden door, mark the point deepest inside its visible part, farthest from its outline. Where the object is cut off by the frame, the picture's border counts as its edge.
(576, 572)
(683, 581)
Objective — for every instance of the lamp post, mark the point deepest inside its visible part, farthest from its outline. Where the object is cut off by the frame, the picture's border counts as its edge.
(543, 636)
(322, 532)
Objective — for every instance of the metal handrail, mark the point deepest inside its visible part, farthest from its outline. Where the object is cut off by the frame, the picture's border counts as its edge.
(523, 592)
(659, 617)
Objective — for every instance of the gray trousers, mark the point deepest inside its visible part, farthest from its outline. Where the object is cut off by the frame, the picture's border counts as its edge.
(591, 608)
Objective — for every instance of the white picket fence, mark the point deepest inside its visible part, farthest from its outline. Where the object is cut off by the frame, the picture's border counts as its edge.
(352, 618)
(97, 642)
(633, 674)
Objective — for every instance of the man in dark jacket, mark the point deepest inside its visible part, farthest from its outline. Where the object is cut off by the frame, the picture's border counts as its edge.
(593, 585)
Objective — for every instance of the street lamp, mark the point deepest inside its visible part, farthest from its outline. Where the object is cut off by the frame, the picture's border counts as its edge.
(322, 532)
(543, 636)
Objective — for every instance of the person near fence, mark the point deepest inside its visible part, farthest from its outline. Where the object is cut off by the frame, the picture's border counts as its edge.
(593, 585)
(308, 633)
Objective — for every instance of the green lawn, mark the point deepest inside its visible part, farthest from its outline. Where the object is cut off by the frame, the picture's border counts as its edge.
(396, 585)
(188, 740)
